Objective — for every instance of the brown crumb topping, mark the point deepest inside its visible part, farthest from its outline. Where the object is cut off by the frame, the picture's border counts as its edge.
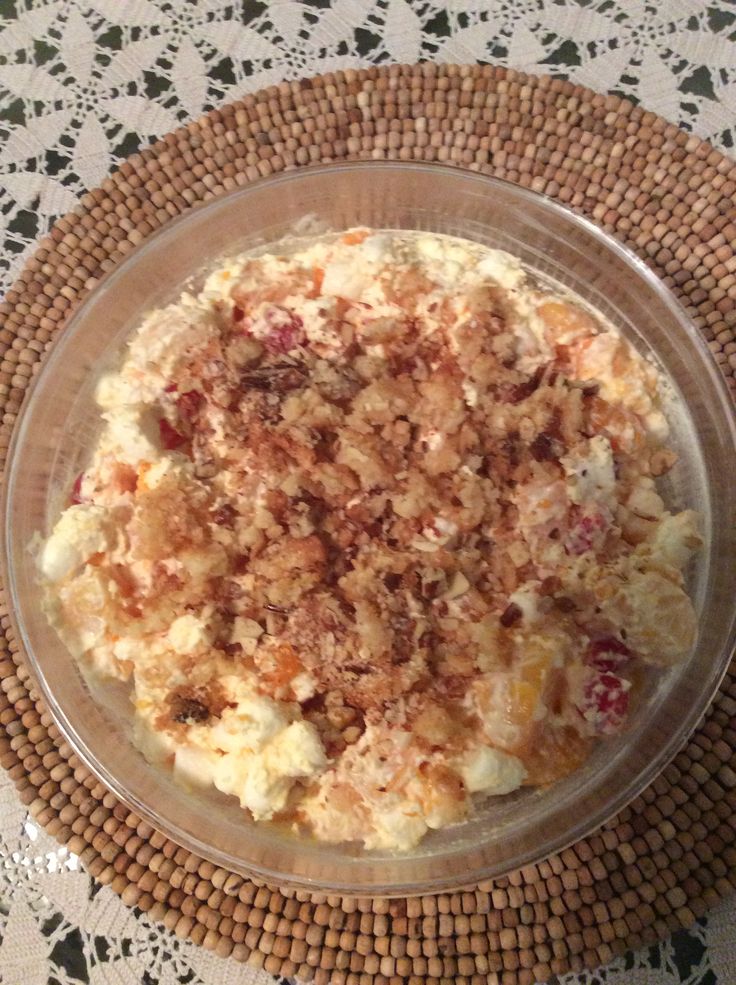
(363, 504)
(376, 509)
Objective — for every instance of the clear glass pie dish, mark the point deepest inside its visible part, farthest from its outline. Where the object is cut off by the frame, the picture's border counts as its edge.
(59, 425)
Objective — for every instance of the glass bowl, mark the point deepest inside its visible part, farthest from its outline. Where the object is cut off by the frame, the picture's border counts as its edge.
(59, 423)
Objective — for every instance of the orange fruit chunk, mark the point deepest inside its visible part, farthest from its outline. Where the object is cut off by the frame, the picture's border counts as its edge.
(279, 668)
(561, 318)
(623, 428)
(555, 753)
(355, 237)
(318, 275)
(510, 703)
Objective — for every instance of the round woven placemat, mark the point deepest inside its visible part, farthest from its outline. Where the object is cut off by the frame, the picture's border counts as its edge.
(670, 855)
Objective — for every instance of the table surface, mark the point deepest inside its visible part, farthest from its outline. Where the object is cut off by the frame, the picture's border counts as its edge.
(83, 83)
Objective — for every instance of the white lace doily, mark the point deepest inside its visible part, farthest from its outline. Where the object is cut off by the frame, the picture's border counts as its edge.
(58, 926)
(83, 83)
(87, 81)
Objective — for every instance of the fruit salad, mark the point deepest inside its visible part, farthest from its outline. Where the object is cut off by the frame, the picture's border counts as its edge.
(373, 530)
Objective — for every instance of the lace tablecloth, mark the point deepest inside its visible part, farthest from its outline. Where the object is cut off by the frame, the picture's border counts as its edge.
(82, 84)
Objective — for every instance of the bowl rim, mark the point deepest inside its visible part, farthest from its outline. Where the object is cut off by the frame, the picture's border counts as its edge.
(54, 355)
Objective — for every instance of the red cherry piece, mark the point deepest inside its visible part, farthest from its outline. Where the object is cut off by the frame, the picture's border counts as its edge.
(171, 388)
(607, 654)
(238, 313)
(75, 497)
(285, 330)
(605, 701)
(170, 437)
(584, 532)
(188, 404)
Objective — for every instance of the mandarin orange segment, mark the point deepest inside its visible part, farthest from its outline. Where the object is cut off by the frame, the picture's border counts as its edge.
(442, 794)
(561, 318)
(283, 666)
(524, 693)
(614, 421)
(143, 468)
(318, 275)
(556, 753)
(508, 705)
(354, 237)
(535, 670)
(522, 701)
(512, 699)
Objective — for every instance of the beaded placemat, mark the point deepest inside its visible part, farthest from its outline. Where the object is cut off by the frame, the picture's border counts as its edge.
(662, 861)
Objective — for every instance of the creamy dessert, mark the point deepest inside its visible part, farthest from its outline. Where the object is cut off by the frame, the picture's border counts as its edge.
(372, 528)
